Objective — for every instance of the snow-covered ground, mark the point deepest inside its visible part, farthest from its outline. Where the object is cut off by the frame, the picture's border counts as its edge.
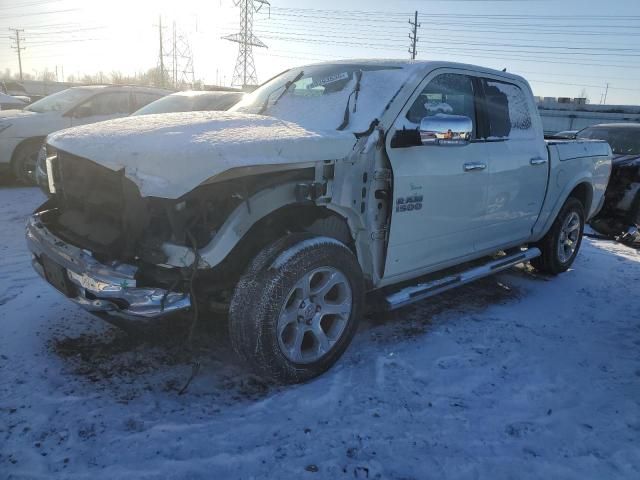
(514, 377)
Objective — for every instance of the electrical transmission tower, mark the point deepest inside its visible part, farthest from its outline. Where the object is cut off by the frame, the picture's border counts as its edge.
(413, 36)
(18, 38)
(162, 71)
(175, 59)
(245, 71)
(181, 60)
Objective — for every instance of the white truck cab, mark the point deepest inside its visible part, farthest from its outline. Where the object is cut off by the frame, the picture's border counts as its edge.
(331, 187)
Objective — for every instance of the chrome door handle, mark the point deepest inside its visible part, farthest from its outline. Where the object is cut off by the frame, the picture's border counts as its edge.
(538, 161)
(470, 167)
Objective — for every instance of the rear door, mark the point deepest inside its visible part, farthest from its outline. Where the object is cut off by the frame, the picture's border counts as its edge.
(518, 164)
(439, 201)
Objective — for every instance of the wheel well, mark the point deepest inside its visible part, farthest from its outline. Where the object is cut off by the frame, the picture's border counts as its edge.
(584, 194)
(24, 142)
(285, 220)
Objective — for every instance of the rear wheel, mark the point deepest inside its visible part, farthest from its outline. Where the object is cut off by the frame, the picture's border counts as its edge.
(562, 242)
(296, 308)
(24, 161)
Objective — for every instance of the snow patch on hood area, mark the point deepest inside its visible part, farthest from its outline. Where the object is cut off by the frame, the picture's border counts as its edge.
(168, 155)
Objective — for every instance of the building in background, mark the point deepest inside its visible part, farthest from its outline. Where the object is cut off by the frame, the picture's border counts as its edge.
(559, 114)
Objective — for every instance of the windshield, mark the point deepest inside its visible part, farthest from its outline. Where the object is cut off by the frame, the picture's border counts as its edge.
(60, 101)
(191, 103)
(316, 96)
(623, 140)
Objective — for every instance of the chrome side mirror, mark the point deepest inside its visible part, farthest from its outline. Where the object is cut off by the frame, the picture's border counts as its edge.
(444, 129)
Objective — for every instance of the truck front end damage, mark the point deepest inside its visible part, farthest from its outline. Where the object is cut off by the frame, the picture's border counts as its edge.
(100, 243)
(105, 289)
(119, 254)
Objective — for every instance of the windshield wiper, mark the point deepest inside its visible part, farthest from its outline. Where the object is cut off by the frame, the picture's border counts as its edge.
(356, 91)
(287, 86)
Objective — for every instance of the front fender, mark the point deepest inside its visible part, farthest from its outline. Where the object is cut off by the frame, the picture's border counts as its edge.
(237, 224)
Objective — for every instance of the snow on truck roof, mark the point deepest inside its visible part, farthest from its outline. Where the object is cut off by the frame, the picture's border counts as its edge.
(417, 66)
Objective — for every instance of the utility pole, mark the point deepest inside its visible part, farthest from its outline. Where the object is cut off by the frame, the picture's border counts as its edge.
(245, 71)
(17, 47)
(161, 53)
(174, 57)
(413, 36)
(605, 93)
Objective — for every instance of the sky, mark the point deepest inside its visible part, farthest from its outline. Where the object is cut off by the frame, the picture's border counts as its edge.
(564, 48)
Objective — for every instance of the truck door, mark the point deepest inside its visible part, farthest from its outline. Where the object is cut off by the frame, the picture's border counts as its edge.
(518, 164)
(439, 191)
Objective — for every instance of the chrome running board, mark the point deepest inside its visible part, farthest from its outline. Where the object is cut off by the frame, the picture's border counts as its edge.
(420, 291)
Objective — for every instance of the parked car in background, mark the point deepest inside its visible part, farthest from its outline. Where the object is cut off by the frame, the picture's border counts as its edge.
(10, 102)
(16, 89)
(191, 101)
(328, 183)
(620, 216)
(176, 102)
(22, 132)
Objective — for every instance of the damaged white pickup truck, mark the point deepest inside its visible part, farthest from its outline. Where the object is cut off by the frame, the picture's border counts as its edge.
(333, 183)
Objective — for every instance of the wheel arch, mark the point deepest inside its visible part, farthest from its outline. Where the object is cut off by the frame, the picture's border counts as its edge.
(582, 189)
(265, 217)
(39, 139)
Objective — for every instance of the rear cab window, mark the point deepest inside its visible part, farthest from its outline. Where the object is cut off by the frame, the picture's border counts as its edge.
(507, 110)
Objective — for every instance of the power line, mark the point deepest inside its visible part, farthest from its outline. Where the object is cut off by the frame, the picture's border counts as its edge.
(389, 18)
(393, 43)
(29, 4)
(457, 15)
(41, 13)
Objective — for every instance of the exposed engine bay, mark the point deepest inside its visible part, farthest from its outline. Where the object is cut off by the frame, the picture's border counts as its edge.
(102, 211)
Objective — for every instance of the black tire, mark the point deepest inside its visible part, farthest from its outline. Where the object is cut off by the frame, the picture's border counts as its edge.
(24, 161)
(266, 289)
(550, 262)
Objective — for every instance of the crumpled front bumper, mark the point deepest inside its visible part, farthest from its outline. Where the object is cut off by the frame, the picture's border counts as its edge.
(101, 289)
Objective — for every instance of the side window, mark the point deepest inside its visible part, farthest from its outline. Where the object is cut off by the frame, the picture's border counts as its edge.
(144, 98)
(111, 103)
(449, 93)
(508, 110)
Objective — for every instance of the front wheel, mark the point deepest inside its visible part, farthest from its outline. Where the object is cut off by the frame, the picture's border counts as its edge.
(24, 162)
(296, 308)
(562, 242)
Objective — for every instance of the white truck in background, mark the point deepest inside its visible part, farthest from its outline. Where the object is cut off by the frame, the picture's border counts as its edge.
(331, 186)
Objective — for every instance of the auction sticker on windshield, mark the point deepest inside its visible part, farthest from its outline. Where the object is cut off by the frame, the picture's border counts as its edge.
(330, 79)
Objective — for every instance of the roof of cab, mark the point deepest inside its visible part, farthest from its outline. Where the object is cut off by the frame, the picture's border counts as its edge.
(421, 66)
